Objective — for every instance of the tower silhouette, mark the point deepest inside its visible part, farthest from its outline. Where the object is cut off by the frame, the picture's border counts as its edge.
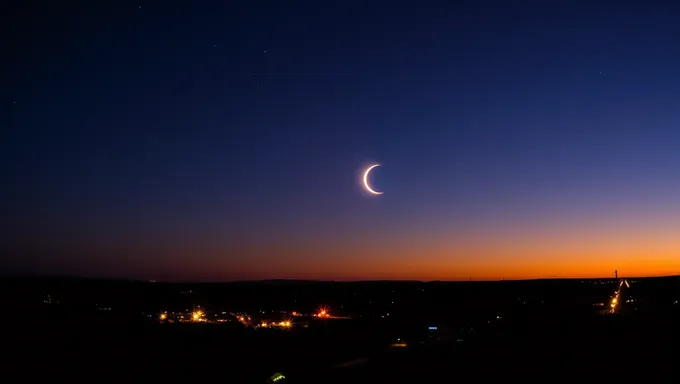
(616, 274)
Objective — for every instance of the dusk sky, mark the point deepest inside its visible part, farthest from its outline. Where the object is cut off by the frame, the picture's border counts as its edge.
(204, 141)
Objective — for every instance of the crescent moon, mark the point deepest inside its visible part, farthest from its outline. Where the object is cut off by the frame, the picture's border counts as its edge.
(366, 185)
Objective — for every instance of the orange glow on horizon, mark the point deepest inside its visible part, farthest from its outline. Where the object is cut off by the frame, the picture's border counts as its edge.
(635, 245)
(571, 253)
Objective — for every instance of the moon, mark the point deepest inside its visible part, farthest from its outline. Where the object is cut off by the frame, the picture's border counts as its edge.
(366, 184)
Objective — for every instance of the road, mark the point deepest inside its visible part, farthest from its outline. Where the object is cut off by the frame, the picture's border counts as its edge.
(615, 304)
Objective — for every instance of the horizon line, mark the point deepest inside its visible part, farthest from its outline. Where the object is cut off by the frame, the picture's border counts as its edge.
(74, 277)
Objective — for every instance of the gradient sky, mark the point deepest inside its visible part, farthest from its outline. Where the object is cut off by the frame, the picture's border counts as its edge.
(199, 141)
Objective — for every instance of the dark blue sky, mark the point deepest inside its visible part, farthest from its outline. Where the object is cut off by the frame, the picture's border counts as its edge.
(207, 141)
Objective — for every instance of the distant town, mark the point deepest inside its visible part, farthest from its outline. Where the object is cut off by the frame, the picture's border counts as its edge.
(341, 331)
(262, 319)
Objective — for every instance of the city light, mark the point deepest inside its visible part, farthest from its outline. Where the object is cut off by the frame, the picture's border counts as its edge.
(164, 316)
(323, 313)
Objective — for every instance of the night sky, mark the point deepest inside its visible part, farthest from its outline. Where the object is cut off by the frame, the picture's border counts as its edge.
(213, 142)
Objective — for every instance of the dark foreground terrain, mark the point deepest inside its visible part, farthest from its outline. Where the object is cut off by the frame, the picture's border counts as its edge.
(542, 331)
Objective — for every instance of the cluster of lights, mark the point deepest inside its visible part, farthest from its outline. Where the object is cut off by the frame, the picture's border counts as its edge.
(195, 316)
(399, 344)
(199, 316)
(323, 313)
(282, 324)
(615, 299)
(243, 318)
